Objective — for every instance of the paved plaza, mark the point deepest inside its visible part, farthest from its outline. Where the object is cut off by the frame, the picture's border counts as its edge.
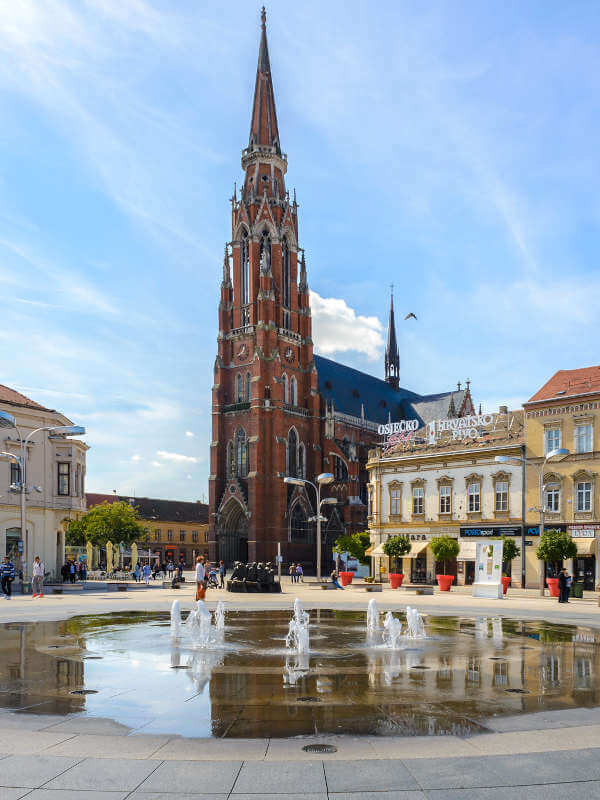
(539, 755)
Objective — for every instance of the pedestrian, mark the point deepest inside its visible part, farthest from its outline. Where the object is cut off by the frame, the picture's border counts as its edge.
(212, 577)
(163, 569)
(64, 571)
(222, 573)
(562, 586)
(181, 565)
(137, 572)
(7, 576)
(170, 568)
(37, 582)
(200, 576)
(293, 572)
(299, 573)
(72, 573)
(334, 580)
(146, 570)
(83, 571)
(568, 582)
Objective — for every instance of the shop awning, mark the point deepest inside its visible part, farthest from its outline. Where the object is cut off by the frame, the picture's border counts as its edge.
(467, 552)
(377, 551)
(369, 551)
(585, 547)
(416, 548)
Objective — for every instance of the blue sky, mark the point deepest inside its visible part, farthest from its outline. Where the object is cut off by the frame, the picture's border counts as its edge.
(448, 147)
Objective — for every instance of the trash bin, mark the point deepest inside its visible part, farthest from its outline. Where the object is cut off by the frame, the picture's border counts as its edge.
(577, 590)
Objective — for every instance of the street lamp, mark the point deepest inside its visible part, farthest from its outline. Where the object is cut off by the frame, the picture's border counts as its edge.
(558, 452)
(322, 479)
(8, 421)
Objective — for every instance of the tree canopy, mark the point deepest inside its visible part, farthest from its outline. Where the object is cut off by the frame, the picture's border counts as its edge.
(510, 549)
(444, 548)
(115, 522)
(395, 547)
(555, 546)
(355, 545)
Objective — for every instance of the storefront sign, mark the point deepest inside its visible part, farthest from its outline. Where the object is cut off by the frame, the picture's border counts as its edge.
(490, 532)
(583, 531)
(460, 427)
(534, 530)
(404, 426)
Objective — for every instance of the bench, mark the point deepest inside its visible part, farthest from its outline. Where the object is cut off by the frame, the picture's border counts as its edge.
(373, 587)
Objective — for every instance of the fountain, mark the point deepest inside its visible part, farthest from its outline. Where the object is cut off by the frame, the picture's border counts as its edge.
(219, 617)
(414, 623)
(392, 631)
(297, 638)
(372, 616)
(175, 620)
(199, 625)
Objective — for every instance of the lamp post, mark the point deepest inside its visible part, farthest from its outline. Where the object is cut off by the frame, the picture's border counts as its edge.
(8, 421)
(322, 479)
(527, 462)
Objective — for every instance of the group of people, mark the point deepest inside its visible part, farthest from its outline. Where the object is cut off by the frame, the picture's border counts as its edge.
(296, 573)
(7, 576)
(209, 575)
(72, 571)
(564, 585)
(165, 569)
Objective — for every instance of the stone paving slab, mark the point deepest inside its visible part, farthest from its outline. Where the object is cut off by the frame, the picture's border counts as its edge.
(91, 725)
(395, 795)
(104, 774)
(97, 746)
(29, 722)
(212, 749)
(13, 794)
(453, 773)
(64, 794)
(32, 771)
(545, 720)
(538, 741)
(362, 776)
(216, 777)
(582, 790)
(176, 796)
(289, 776)
(26, 742)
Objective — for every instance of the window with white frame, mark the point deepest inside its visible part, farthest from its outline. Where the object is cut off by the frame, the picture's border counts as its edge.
(418, 500)
(64, 479)
(474, 497)
(553, 499)
(583, 496)
(583, 438)
(239, 390)
(501, 502)
(395, 502)
(445, 499)
(551, 440)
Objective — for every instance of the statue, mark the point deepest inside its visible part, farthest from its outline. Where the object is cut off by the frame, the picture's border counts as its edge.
(262, 578)
(252, 578)
(237, 582)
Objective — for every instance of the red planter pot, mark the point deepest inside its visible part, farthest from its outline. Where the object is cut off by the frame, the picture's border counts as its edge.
(444, 582)
(396, 579)
(505, 584)
(346, 578)
(553, 586)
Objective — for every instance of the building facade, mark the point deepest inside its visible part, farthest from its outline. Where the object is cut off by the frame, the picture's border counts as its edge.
(176, 528)
(277, 408)
(565, 413)
(55, 477)
(444, 480)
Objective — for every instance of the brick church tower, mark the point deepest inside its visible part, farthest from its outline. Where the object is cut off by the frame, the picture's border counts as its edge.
(265, 405)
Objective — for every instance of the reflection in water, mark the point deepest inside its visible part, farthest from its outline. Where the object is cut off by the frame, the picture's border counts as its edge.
(243, 686)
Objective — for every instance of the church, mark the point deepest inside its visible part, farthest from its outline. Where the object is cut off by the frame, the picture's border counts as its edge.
(277, 408)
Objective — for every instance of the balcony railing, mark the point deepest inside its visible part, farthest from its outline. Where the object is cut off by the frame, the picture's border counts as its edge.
(240, 331)
(303, 412)
(236, 407)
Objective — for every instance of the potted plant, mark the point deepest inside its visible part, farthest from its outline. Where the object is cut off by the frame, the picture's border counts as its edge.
(395, 548)
(444, 548)
(510, 550)
(554, 547)
(354, 545)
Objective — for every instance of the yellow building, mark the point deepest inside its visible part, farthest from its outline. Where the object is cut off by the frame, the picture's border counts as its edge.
(565, 413)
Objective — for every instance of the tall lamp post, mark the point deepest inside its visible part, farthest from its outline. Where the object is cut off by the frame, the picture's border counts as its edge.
(322, 479)
(527, 462)
(8, 421)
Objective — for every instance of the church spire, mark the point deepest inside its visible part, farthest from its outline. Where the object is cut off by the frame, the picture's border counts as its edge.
(263, 127)
(392, 357)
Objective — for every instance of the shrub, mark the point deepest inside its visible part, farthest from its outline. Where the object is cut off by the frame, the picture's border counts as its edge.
(444, 548)
(396, 547)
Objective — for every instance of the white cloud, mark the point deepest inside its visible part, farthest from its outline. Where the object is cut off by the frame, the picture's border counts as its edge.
(136, 457)
(190, 434)
(157, 464)
(337, 328)
(178, 458)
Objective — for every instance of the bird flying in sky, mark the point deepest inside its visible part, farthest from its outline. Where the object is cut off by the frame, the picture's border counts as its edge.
(408, 316)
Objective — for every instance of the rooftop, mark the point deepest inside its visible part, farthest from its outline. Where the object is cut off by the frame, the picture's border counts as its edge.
(155, 510)
(569, 383)
(14, 398)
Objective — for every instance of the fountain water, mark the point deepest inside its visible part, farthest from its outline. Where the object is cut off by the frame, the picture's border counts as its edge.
(220, 616)
(392, 631)
(297, 638)
(175, 620)
(372, 616)
(199, 624)
(414, 624)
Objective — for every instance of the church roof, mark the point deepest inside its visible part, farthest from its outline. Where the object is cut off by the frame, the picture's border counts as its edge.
(263, 127)
(351, 390)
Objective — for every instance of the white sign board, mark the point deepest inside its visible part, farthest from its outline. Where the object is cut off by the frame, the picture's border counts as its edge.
(488, 569)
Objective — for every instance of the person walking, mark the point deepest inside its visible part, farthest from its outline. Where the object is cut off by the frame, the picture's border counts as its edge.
(293, 572)
(299, 573)
(568, 582)
(181, 565)
(72, 573)
(200, 576)
(83, 571)
(334, 580)
(64, 571)
(170, 568)
(562, 586)
(37, 580)
(222, 573)
(147, 570)
(7, 576)
(137, 572)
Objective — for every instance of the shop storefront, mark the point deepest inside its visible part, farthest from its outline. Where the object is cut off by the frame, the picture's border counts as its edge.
(585, 564)
(468, 544)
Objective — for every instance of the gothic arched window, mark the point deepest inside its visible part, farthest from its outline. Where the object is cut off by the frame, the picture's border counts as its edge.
(239, 390)
(245, 280)
(286, 388)
(286, 289)
(293, 391)
(340, 470)
(230, 460)
(241, 453)
(299, 526)
(248, 386)
(265, 252)
(301, 462)
(292, 454)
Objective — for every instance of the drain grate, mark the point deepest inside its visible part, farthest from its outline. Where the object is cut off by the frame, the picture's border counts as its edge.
(518, 691)
(308, 699)
(319, 748)
(84, 691)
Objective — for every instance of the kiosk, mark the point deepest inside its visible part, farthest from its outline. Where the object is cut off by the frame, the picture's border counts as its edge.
(488, 569)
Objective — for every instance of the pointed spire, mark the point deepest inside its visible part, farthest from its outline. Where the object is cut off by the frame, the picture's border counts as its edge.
(452, 407)
(392, 356)
(226, 273)
(263, 127)
(303, 281)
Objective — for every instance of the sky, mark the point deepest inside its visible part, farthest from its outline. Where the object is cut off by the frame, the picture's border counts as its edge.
(449, 148)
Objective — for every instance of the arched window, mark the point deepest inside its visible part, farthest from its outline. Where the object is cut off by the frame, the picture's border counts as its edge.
(245, 280)
(239, 391)
(241, 453)
(340, 470)
(300, 530)
(248, 386)
(286, 289)
(230, 460)
(265, 252)
(301, 462)
(294, 391)
(286, 388)
(292, 454)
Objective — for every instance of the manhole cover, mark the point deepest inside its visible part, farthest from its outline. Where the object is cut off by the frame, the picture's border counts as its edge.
(319, 748)
(180, 666)
(84, 691)
(308, 699)
(419, 666)
(518, 691)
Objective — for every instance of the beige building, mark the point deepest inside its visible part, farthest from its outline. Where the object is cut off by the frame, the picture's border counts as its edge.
(443, 480)
(55, 482)
(565, 413)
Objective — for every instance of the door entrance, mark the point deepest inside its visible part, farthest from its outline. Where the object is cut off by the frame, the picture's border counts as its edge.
(418, 572)
(585, 571)
(469, 572)
(233, 534)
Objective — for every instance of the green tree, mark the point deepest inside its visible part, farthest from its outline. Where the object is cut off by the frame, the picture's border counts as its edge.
(117, 522)
(555, 546)
(510, 550)
(395, 547)
(444, 548)
(355, 545)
